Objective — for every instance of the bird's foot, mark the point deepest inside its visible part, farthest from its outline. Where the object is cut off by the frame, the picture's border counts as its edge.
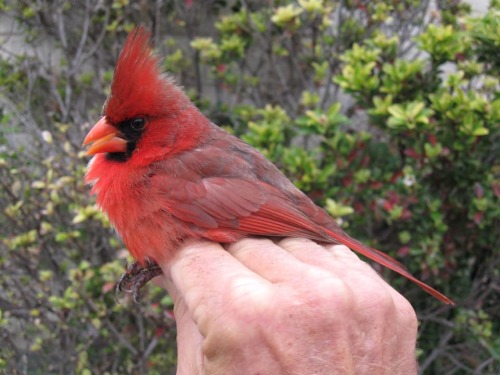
(135, 277)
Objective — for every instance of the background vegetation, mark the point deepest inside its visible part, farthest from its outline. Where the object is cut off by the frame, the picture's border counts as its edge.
(408, 163)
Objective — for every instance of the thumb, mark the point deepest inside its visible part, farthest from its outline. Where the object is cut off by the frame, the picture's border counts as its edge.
(189, 338)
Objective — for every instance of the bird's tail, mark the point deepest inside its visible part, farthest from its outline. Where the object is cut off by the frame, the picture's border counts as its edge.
(386, 261)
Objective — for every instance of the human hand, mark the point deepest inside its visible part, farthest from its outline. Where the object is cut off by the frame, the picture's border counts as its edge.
(292, 307)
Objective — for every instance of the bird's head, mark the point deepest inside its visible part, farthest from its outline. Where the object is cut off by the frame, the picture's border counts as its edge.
(143, 115)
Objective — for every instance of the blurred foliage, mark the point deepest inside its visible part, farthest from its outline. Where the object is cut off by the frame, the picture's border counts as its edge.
(414, 171)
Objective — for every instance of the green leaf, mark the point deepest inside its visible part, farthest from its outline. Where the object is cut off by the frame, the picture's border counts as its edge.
(336, 209)
(480, 132)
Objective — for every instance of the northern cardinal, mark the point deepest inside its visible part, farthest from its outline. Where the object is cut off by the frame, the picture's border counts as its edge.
(164, 174)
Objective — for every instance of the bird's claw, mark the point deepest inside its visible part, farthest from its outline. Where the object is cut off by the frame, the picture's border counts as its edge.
(135, 277)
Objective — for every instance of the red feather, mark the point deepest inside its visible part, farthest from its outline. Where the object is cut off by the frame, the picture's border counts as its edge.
(186, 178)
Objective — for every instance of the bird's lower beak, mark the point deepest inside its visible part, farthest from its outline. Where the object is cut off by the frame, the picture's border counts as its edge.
(104, 137)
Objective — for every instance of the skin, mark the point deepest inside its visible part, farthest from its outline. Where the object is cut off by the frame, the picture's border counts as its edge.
(286, 307)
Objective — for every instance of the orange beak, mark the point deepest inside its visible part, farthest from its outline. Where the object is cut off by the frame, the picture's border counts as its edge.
(104, 138)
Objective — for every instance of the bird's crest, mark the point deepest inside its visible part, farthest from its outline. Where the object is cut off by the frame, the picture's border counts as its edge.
(139, 87)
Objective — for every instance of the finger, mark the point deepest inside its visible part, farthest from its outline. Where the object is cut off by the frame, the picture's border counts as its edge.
(336, 258)
(342, 262)
(189, 338)
(189, 342)
(269, 260)
(207, 279)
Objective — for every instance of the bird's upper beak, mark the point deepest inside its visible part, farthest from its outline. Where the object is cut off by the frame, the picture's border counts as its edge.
(104, 138)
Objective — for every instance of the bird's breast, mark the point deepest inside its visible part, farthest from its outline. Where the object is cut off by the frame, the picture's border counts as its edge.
(134, 209)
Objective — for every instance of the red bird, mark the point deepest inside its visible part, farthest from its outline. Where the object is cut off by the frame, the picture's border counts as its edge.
(164, 174)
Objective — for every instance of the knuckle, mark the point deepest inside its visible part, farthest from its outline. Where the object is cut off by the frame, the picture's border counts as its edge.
(246, 298)
(406, 312)
(325, 293)
(343, 252)
(296, 243)
(373, 293)
(245, 288)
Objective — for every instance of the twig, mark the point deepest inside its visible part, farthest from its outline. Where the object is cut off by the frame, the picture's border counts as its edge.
(438, 351)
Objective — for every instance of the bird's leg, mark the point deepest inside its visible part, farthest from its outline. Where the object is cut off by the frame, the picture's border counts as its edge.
(136, 276)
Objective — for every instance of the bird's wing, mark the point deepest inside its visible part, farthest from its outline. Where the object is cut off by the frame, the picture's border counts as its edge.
(235, 204)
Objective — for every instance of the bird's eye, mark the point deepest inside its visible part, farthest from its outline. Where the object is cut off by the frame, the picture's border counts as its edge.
(137, 123)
